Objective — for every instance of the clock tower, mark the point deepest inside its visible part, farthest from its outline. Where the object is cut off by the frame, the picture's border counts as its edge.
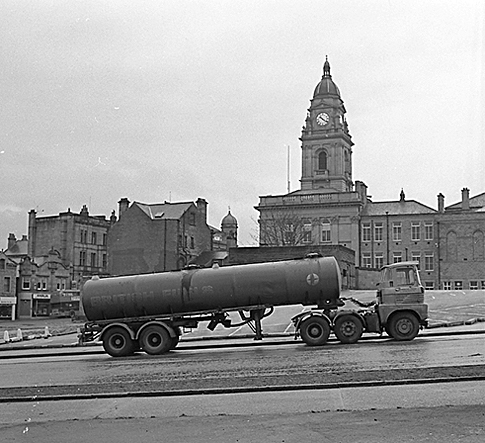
(326, 142)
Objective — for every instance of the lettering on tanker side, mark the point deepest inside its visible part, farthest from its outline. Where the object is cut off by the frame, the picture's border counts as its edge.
(312, 279)
(95, 301)
(106, 300)
(207, 290)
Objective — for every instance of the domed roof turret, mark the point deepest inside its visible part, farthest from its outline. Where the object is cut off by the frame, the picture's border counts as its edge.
(229, 220)
(326, 85)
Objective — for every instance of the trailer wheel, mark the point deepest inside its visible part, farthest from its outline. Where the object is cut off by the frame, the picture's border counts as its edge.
(117, 342)
(155, 340)
(348, 329)
(315, 331)
(403, 326)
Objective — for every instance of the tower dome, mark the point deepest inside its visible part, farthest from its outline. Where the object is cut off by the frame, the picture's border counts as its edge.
(326, 86)
(229, 220)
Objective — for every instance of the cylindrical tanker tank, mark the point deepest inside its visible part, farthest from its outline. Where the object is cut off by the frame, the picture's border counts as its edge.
(309, 281)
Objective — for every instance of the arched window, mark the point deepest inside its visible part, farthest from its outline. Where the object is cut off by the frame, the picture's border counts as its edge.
(322, 161)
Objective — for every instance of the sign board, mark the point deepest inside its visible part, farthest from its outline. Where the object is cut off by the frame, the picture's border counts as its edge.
(8, 300)
(42, 296)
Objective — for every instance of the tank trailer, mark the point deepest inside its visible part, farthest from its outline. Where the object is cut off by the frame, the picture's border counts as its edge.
(149, 311)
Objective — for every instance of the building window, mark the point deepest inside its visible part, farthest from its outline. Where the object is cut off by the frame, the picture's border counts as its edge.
(105, 261)
(322, 161)
(428, 231)
(93, 260)
(447, 285)
(366, 260)
(416, 256)
(192, 242)
(192, 219)
(378, 230)
(2, 263)
(428, 262)
(458, 285)
(366, 232)
(397, 257)
(82, 258)
(94, 238)
(105, 239)
(379, 260)
(25, 283)
(84, 236)
(397, 231)
(429, 285)
(326, 237)
(482, 284)
(415, 231)
(474, 285)
(306, 237)
(6, 284)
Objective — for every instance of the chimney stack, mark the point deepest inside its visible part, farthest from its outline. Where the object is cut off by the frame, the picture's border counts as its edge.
(11, 240)
(441, 203)
(122, 206)
(465, 199)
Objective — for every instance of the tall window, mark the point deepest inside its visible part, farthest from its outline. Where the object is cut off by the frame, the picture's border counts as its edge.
(415, 231)
(2, 263)
(322, 161)
(307, 231)
(82, 258)
(326, 237)
(94, 238)
(428, 231)
(428, 262)
(105, 261)
(416, 256)
(366, 260)
(397, 231)
(366, 232)
(379, 260)
(105, 239)
(378, 230)
(6, 284)
(93, 260)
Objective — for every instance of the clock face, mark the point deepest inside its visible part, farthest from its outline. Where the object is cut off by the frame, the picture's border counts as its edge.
(322, 119)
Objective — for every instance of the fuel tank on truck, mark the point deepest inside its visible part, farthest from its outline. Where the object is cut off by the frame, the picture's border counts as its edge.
(307, 281)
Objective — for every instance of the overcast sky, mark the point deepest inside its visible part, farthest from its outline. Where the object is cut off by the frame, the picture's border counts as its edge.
(176, 100)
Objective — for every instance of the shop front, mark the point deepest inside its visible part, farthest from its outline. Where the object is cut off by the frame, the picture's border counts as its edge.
(41, 305)
(7, 307)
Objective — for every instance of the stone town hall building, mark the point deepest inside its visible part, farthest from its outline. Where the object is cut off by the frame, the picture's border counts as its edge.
(332, 209)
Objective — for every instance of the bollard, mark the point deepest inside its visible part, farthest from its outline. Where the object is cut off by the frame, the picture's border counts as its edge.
(6, 337)
(47, 334)
(19, 335)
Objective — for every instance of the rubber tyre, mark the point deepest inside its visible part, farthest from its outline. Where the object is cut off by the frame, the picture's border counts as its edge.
(315, 331)
(403, 326)
(174, 341)
(155, 340)
(117, 342)
(348, 329)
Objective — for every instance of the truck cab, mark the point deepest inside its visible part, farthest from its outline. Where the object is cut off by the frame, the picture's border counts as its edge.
(400, 300)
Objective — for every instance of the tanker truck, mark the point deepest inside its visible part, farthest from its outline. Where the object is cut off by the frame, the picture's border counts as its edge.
(149, 311)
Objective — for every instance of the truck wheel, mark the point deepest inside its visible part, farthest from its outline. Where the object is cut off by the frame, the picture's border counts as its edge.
(117, 342)
(348, 329)
(314, 331)
(155, 340)
(403, 326)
